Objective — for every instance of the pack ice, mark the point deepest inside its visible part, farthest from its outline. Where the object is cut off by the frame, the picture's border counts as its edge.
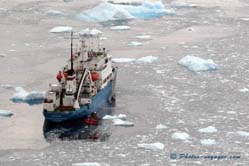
(5, 113)
(110, 12)
(196, 64)
(146, 59)
(120, 116)
(32, 97)
(154, 146)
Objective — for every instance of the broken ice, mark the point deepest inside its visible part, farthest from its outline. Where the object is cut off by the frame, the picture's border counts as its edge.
(154, 146)
(23, 96)
(120, 27)
(147, 59)
(181, 136)
(88, 164)
(197, 64)
(243, 133)
(134, 43)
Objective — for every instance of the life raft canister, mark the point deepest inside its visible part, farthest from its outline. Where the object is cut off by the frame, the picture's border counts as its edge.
(59, 76)
(95, 75)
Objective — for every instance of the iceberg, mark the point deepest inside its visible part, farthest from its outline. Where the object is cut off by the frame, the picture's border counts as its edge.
(119, 122)
(111, 12)
(154, 146)
(120, 116)
(5, 113)
(61, 29)
(6, 86)
(120, 27)
(22, 96)
(55, 13)
(197, 64)
(181, 136)
(209, 129)
(208, 142)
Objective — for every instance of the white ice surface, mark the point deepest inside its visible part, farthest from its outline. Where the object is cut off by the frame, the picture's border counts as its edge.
(55, 13)
(5, 113)
(120, 27)
(90, 32)
(154, 146)
(209, 129)
(207, 142)
(181, 136)
(123, 60)
(178, 4)
(109, 12)
(119, 122)
(61, 29)
(6, 86)
(197, 64)
(120, 116)
(243, 133)
(24, 96)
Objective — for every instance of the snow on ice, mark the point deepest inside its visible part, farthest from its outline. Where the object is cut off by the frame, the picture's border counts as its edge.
(32, 97)
(119, 122)
(147, 59)
(61, 29)
(110, 12)
(154, 146)
(243, 133)
(120, 116)
(207, 142)
(120, 27)
(5, 113)
(209, 129)
(197, 64)
(181, 136)
(134, 43)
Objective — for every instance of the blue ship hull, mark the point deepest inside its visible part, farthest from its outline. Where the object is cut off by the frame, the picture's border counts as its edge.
(101, 98)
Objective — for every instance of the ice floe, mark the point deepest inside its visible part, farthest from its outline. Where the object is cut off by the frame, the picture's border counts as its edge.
(243, 133)
(147, 59)
(120, 27)
(120, 116)
(134, 43)
(54, 13)
(244, 90)
(180, 136)
(61, 29)
(110, 12)
(207, 142)
(6, 86)
(23, 96)
(89, 164)
(6, 113)
(209, 129)
(154, 146)
(161, 126)
(143, 37)
(119, 122)
(196, 64)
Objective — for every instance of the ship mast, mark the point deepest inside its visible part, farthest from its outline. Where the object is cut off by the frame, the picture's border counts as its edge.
(71, 71)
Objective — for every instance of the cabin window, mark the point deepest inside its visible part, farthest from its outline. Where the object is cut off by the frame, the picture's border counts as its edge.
(106, 60)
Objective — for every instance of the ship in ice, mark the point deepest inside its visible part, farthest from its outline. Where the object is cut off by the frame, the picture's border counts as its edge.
(86, 82)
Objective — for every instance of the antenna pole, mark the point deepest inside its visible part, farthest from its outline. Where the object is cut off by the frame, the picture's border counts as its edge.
(71, 51)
